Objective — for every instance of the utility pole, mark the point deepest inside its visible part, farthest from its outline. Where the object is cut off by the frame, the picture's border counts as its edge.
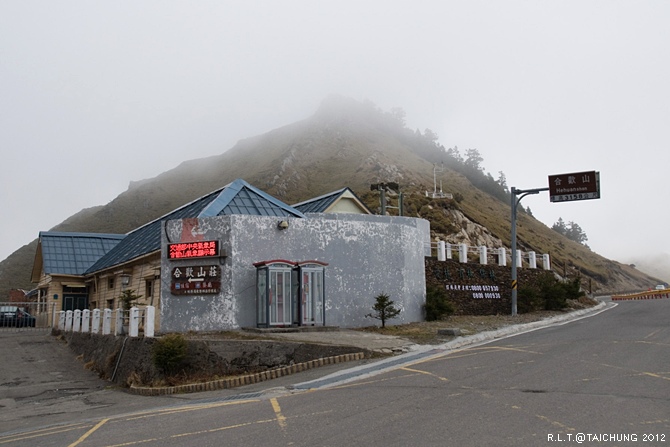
(381, 187)
(515, 203)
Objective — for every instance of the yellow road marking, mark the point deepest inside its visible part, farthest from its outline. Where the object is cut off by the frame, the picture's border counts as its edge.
(652, 343)
(41, 433)
(213, 430)
(658, 376)
(653, 333)
(89, 433)
(281, 420)
(143, 415)
(555, 423)
(424, 372)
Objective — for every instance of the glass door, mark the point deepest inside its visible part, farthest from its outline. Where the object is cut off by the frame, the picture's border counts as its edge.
(280, 297)
(312, 296)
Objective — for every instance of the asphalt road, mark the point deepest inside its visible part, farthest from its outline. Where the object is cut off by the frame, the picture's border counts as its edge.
(593, 381)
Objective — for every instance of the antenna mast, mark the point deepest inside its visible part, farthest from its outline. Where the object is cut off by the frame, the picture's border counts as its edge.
(438, 195)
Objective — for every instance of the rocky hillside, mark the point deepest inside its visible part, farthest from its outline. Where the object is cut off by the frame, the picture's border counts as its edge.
(347, 143)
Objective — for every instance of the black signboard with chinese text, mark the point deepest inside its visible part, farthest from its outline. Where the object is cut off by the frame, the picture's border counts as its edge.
(575, 186)
(188, 250)
(196, 280)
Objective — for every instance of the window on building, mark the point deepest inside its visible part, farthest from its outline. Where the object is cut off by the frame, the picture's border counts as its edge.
(110, 304)
(149, 291)
(110, 283)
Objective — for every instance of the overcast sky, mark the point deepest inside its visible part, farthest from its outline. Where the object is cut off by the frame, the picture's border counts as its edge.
(94, 95)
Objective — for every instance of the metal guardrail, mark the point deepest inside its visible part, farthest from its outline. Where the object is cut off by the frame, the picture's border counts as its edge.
(646, 295)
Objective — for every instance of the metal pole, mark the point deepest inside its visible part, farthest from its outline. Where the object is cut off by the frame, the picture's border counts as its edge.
(514, 204)
(514, 280)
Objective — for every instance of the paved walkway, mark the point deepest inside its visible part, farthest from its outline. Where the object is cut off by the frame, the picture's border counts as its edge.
(347, 337)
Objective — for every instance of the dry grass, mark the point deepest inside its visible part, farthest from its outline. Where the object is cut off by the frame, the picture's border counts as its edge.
(426, 332)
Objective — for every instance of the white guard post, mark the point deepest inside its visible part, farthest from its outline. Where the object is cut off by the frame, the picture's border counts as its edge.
(95, 322)
(532, 259)
(85, 320)
(76, 321)
(149, 321)
(448, 248)
(118, 322)
(61, 320)
(441, 251)
(462, 253)
(519, 259)
(106, 321)
(68, 320)
(134, 322)
(502, 257)
(545, 262)
(482, 255)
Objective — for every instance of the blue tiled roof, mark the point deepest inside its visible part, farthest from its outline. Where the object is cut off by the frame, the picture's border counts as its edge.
(74, 253)
(238, 197)
(322, 203)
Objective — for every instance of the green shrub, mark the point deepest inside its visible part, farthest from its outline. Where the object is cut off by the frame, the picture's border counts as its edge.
(437, 305)
(548, 294)
(169, 352)
(528, 300)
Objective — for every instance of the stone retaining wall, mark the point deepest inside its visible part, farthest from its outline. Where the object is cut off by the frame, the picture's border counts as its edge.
(476, 289)
(128, 361)
(233, 382)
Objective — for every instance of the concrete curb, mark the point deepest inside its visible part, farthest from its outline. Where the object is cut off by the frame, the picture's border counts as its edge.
(415, 350)
(519, 328)
(423, 352)
(247, 379)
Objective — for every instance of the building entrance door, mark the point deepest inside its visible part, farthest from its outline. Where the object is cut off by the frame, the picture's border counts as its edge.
(280, 297)
(75, 298)
(312, 296)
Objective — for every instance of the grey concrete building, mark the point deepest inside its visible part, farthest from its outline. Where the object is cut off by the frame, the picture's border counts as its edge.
(361, 256)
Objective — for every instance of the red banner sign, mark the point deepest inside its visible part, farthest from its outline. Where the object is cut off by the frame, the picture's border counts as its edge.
(189, 250)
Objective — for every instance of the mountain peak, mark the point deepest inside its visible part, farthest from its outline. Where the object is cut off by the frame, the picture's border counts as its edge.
(346, 143)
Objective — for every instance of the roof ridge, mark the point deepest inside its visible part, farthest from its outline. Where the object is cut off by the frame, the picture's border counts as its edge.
(323, 196)
(72, 234)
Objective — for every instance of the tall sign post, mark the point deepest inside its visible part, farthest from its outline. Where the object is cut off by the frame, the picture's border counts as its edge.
(562, 188)
(515, 203)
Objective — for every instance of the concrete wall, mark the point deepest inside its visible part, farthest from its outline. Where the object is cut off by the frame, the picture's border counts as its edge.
(130, 360)
(366, 255)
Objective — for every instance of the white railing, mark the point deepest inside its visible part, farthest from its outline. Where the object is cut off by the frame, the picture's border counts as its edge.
(446, 251)
(108, 321)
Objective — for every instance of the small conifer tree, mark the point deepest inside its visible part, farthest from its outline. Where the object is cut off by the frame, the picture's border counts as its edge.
(384, 309)
(128, 299)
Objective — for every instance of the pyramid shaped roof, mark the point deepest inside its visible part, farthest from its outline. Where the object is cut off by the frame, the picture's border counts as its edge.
(237, 197)
(328, 202)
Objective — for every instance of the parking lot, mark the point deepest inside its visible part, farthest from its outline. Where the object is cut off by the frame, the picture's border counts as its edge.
(42, 382)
